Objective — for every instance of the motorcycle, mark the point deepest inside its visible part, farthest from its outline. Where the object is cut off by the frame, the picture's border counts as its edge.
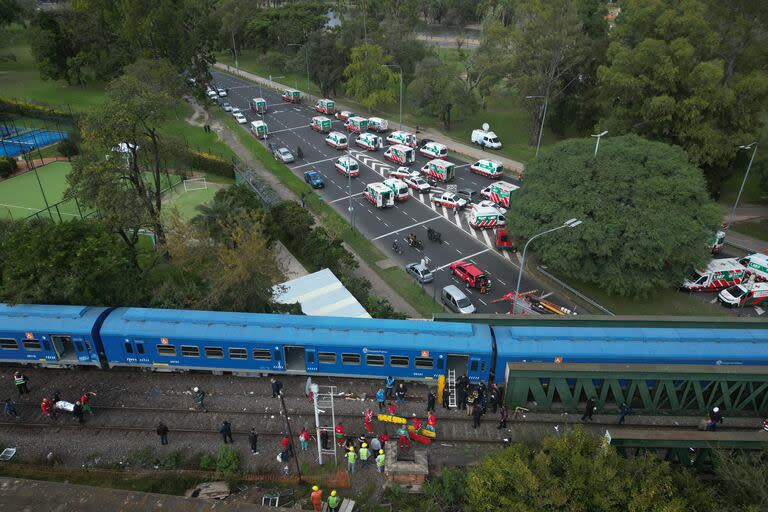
(434, 236)
(299, 152)
(415, 243)
(396, 247)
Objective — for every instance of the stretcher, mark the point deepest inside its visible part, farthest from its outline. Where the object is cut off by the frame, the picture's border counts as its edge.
(391, 419)
(417, 437)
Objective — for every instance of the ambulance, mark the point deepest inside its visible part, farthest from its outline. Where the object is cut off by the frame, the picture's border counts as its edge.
(719, 274)
(434, 150)
(488, 168)
(486, 217)
(757, 265)
(325, 106)
(744, 295)
(439, 170)
(320, 124)
(379, 195)
(500, 192)
(398, 187)
(377, 124)
(337, 140)
(356, 124)
(259, 105)
(369, 141)
(259, 129)
(347, 166)
(404, 138)
(291, 96)
(402, 155)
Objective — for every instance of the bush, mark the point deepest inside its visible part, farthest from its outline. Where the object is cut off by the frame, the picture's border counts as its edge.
(207, 463)
(170, 461)
(213, 164)
(68, 148)
(40, 111)
(7, 166)
(229, 460)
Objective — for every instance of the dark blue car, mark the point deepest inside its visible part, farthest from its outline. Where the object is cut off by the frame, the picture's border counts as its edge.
(315, 179)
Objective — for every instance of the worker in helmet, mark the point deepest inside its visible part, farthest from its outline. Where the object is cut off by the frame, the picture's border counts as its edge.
(380, 461)
(364, 454)
(333, 502)
(317, 498)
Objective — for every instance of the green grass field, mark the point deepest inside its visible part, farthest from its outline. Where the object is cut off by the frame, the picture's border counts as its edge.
(186, 201)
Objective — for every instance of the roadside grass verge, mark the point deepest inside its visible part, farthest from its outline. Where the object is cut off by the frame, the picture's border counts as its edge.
(336, 224)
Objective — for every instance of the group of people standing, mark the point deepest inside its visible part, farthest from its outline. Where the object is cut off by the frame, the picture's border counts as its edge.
(50, 407)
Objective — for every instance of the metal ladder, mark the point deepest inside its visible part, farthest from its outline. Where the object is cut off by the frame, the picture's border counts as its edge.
(452, 389)
(323, 400)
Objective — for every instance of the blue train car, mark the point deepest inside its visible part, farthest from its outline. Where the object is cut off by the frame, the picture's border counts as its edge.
(245, 343)
(56, 336)
(694, 346)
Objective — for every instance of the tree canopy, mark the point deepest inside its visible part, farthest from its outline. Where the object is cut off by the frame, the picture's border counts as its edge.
(368, 80)
(438, 91)
(645, 211)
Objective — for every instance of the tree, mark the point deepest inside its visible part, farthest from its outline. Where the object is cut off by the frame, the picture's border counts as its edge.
(678, 72)
(327, 61)
(10, 11)
(437, 91)
(75, 262)
(576, 473)
(742, 479)
(126, 127)
(368, 81)
(646, 213)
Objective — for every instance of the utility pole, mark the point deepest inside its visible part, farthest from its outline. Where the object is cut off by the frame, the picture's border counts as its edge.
(290, 435)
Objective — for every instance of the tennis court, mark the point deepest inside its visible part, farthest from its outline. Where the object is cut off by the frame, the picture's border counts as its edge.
(21, 196)
(15, 144)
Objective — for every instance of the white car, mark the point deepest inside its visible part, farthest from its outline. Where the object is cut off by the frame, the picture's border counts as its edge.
(239, 117)
(487, 203)
(221, 92)
(212, 94)
(226, 107)
(402, 173)
(418, 184)
(449, 200)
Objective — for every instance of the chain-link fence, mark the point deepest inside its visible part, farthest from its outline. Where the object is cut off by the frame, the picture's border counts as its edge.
(261, 188)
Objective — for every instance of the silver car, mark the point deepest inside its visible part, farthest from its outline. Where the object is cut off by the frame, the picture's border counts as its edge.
(284, 155)
(456, 301)
(420, 272)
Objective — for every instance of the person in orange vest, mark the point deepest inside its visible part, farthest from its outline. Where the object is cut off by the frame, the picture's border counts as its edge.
(317, 498)
(340, 434)
(431, 421)
(368, 418)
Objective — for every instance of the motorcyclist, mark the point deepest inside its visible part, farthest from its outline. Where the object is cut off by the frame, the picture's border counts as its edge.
(299, 153)
(395, 246)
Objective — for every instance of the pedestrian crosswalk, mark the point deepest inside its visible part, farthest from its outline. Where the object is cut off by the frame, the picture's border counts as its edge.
(460, 218)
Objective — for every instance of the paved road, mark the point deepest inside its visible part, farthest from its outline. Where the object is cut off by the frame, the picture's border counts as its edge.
(289, 126)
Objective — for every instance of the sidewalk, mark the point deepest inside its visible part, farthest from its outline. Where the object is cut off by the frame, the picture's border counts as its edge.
(746, 213)
(473, 152)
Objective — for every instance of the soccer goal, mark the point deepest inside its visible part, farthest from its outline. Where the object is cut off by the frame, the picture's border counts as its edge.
(195, 184)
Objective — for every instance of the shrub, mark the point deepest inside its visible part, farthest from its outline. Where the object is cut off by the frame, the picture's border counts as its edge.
(68, 148)
(207, 463)
(213, 164)
(170, 461)
(228, 461)
(7, 166)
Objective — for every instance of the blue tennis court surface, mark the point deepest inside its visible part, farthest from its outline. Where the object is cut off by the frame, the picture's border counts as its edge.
(25, 142)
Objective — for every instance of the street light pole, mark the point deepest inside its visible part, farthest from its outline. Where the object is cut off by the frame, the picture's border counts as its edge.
(753, 147)
(597, 144)
(543, 117)
(401, 89)
(570, 223)
(234, 50)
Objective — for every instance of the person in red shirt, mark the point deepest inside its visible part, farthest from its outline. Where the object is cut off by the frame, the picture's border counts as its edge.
(391, 408)
(340, 433)
(287, 447)
(46, 406)
(416, 425)
(85, 401)
(368, 418)
(431, 421)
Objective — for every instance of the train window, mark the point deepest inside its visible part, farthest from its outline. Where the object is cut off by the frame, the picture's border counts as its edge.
(402, 361)
(8, 344)
(190, 351)
(326, 357)
(88, 347)
(277, 354)
(473, 365)
(238, 353)
(311, 357)
(166, 350)
(374, 360)
(214, 352)
(426, 363)
(139, 348)
(32, 345)
(128, 348)
(79, 346)
(261, 355)
(440, 363)
(350, 358)
(46, 345)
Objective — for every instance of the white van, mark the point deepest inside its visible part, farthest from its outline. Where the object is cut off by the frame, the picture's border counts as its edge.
(456, 301)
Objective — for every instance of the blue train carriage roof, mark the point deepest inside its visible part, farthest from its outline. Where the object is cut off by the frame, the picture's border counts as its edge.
(38, 318)
(254, 327)
(707, 346)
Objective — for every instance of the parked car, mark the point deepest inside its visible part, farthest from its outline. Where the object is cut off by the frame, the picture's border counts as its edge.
(420, 272)
(240, 118)
(314, 178)
(284, 155)
(272, 147)
(226, 106)
(221, 92)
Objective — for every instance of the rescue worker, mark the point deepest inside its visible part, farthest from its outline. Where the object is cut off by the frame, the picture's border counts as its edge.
(324, 440)
(287, 448)
(470, 400)
(368, 416)
(199, 397)
(400, 393)
(351, 460)
(380, 397)
(390, 386)
(446, 397)
(493, 398)
(402, 438)
(10, 408)
(304, 439)
(461, 390)
(317, 498)
(77, 412)
(340, 433)
(432, 421)
(253, 441)
(380, 461)
(226, 432)
(162, 431)
(431, 399)
(21, 380)
(624, 411)
(477, 414)
(46, 406)
(590, 409)
(333, 501)
(391, 407)
(365, 453)
(503, 417)
(85, 400)
(715, 417)
(277, 386)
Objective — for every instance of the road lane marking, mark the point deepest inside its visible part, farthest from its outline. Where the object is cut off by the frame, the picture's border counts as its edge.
(407, 227)
(465, 259)
(344, 198)
(313, 163)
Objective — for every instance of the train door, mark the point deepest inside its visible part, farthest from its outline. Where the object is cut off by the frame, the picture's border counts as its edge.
(295, 359)
(311, 355)
(64, 348)
(458, 363)
(476, 368)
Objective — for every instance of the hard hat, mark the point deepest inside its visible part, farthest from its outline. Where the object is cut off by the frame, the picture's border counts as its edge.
(333, 493)
(716, 409)
(365, 445)
(381, 452)
(195, 389)
(315, 488)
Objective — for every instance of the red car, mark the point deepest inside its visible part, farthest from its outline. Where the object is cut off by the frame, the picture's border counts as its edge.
(471, 275)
